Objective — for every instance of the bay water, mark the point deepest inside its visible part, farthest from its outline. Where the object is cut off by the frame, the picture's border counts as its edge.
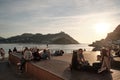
(67, 48)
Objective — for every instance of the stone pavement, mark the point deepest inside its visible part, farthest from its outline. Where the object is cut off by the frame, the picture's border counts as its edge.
(9, 72)
(60, 66)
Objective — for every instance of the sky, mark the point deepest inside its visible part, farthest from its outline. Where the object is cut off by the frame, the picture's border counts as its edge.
(84, 20)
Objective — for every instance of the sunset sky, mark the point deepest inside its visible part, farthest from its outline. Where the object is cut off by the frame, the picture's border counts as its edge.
(84, 20)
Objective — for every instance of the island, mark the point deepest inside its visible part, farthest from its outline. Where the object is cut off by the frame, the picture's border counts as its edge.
(58, 38)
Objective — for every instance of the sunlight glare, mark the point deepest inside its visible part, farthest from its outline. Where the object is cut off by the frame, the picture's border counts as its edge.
(102, 28)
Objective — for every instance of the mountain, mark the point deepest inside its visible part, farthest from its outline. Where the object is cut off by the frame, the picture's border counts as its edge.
(58, 38)
(1, 38)
(112, 38)
(115, 35)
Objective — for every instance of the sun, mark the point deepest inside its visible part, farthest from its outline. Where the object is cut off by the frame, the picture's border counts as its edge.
(102, 28)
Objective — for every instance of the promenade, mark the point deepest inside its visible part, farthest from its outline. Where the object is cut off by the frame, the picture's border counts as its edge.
(9, 72)
(59, 65)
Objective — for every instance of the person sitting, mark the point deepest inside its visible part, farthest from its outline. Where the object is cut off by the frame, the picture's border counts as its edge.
(80, 57)
(36, 55)
(14, 50)
(45, 54)
(61, 52)
(78, 60)
(58, 53)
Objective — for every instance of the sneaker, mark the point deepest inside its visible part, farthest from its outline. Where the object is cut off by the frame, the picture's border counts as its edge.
(99, 71)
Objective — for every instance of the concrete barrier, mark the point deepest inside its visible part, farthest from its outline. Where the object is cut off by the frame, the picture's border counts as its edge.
(35, 70)
(14, 59)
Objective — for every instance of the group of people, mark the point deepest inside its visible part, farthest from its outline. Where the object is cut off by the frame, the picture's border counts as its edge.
(2, 53)
(32, 53)
(79, 62)
(58, 53)
(29, 54)
(78, 59)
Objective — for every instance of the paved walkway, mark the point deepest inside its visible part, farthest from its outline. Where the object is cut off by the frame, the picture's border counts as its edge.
(9, 72)
(60, 66)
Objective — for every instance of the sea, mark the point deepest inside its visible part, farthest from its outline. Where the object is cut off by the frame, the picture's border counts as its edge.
(67, 48)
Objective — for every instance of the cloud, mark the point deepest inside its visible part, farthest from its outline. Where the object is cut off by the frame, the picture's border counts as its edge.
(50, 16)
(55, 7)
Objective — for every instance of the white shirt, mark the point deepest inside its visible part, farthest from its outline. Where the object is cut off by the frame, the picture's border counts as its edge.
(28, 55)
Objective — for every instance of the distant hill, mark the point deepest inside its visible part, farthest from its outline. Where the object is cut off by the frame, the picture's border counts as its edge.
(115, 35)
(1, 38)
(58, 38)
(112, 38)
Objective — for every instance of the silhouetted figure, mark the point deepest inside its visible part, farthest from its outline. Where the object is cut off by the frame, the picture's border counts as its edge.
(47, 45)
(2, 52)
(84, 49)
(15, 50)
(45, 54)
(36, 55)
(10, 51)
(58, 53)
(61, 52)
(74, 62)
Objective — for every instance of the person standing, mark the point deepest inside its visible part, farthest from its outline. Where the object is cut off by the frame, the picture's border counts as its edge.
(105, 54)
(28, 54)
(2, 52)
